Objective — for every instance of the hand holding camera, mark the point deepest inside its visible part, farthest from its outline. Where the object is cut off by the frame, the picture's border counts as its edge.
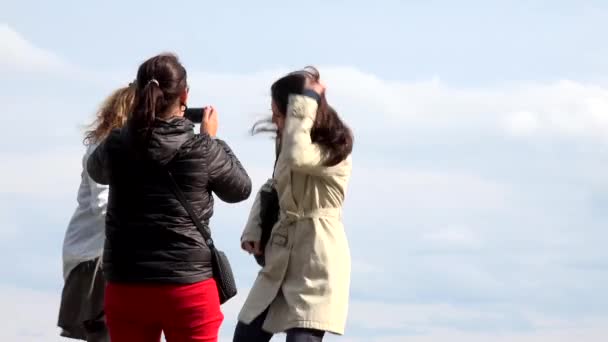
(206, 116)
(209, 123)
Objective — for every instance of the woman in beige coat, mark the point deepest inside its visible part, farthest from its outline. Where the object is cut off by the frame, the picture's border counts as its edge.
(303, 288)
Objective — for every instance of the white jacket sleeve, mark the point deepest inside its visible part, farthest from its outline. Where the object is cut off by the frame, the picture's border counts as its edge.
(99, 197)
(98, 192)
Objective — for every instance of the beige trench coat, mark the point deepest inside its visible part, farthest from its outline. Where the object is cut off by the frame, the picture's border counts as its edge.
(306, 280)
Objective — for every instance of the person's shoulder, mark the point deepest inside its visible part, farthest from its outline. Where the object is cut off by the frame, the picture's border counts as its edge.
(196, 146)
(348, 161)
(343, 168)
(113, 136)
(204, 140)
(197, 141)
(115, 139)
(116, 132)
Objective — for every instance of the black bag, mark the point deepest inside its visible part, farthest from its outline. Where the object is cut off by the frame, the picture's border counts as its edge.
(269, 209)
(269, 215)
(222, 272)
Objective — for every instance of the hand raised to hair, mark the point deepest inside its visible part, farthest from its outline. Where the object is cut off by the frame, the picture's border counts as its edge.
(252, 247)
(315, 85)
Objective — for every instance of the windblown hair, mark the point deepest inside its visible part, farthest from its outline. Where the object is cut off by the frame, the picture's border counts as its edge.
(113, 113)
(328, 130)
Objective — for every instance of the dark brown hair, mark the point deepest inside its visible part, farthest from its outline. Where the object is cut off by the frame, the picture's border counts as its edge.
(112, 113)
(328, 130)
(160, 82)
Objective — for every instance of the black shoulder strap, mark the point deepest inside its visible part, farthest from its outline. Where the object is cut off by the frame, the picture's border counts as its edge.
(186, 204)
(277, 151)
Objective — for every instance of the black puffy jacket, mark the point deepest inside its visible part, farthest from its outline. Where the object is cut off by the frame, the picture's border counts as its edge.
(149, 235)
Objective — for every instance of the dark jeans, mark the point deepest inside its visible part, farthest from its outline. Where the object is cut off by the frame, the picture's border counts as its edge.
(254, 333)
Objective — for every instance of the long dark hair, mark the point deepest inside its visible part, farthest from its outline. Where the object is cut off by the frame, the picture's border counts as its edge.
(328, 130)
(160, 82)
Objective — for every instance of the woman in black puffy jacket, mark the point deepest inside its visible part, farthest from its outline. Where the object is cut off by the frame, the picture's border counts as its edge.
(156, 262)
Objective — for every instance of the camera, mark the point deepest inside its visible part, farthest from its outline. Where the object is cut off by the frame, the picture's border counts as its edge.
(194, 114)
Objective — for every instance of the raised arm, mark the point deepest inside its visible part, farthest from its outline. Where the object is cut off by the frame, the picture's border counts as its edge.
(227, 177)
(297, 146)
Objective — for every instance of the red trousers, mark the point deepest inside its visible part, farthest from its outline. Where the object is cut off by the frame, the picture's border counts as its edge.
(139, 313)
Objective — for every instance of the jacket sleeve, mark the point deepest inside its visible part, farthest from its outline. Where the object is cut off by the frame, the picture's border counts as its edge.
(297, 147)
(99, 197)
(97, 167)
(227, 177)
(99, 192)
(253, 228)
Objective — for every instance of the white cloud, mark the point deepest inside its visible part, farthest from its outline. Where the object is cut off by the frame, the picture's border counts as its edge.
(28, 315)
(422, 202)
(522, 123)
(563, 108)
(9, 228)
(388, 322)
(44, 174)
(418, 188)
(453, 235)
(18, 54)
(370, 104)
(595, 332)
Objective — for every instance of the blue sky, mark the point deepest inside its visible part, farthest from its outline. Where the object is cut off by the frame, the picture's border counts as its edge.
(464, 42)
(477, 208)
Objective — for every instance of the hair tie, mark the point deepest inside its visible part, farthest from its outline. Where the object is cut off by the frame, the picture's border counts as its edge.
(153, 80)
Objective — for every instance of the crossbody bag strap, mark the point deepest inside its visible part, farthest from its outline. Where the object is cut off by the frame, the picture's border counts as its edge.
(277, 151)
(186, 204)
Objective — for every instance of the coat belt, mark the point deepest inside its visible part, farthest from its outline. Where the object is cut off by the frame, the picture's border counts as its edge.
(288, 216)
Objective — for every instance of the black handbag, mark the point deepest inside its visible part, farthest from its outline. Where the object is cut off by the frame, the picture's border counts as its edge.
(269, 211)
(269, 215)
(222, 272)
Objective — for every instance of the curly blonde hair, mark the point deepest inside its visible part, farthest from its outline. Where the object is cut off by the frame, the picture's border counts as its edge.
(112, 113)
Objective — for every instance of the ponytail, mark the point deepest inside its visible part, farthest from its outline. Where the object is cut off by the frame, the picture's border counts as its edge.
(160, 82)
(149, 100)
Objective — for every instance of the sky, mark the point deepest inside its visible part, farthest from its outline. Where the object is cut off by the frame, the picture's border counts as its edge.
(477, 209)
